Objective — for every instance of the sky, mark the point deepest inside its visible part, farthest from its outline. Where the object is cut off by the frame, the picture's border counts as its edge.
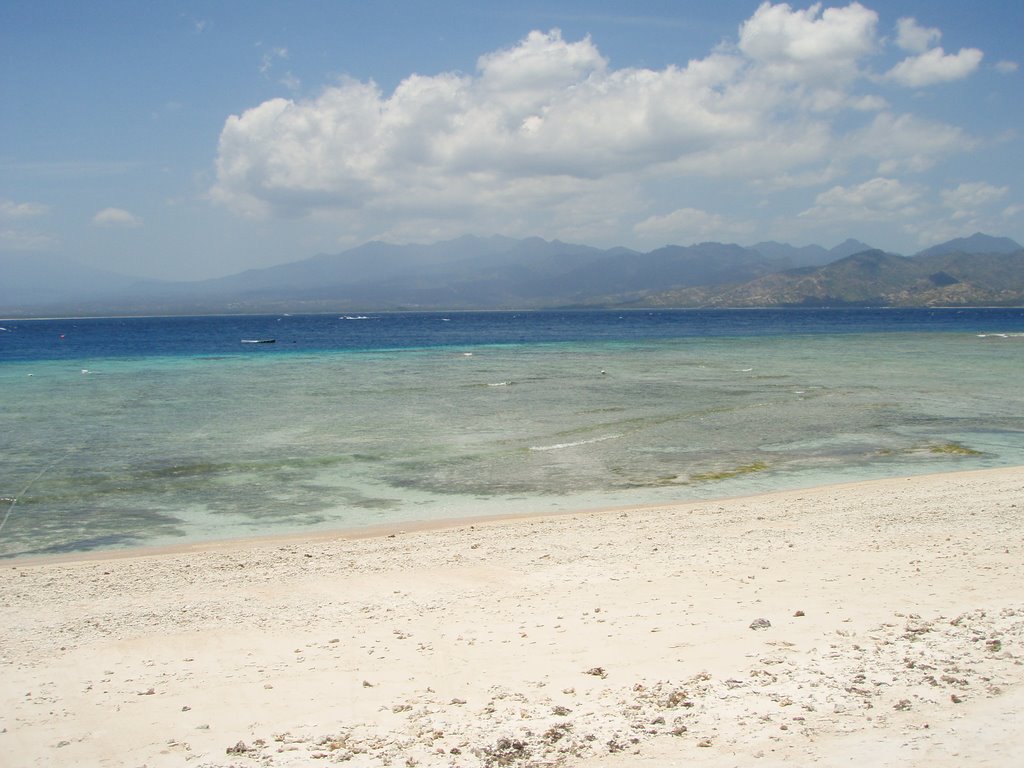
(188, 140)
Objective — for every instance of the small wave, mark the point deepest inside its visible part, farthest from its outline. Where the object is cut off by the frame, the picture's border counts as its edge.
(1001, 335)
(500, 384)
(353, 317)
(559, 446)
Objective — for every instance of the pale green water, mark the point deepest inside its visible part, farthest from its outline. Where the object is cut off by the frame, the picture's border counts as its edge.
(157, 450)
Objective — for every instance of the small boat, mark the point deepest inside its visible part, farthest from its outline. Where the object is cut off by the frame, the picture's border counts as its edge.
(258, 341)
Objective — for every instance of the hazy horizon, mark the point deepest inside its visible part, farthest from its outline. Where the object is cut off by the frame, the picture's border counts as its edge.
(342, 252)
(200, 141)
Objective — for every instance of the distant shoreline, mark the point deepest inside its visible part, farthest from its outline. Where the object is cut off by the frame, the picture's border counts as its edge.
(497, 310)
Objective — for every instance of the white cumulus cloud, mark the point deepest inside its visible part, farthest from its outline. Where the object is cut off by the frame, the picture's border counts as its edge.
(935, 66)
(546, 136)
(810, 44)
(116, 217)
(930, 64)
(545, 109)
(910, 36)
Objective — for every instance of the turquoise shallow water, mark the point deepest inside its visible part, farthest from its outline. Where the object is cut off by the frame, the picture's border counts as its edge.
(114, 451)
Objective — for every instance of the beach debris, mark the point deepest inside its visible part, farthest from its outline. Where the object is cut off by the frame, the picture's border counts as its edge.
(798, 614)
(916, 627)
(597, 672)
(557, 732)
(239, 749)
(505, 752)
(760, 624)
(675, 698)
(332, 743)
(614, 745)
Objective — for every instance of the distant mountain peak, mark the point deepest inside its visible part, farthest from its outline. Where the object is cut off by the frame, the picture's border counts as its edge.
(848, 247)
(979, 242)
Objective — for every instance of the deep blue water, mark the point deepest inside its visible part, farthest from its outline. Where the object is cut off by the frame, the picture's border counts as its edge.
(72, 339)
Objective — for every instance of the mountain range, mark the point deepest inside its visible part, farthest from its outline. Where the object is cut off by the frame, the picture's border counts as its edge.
(500, 272)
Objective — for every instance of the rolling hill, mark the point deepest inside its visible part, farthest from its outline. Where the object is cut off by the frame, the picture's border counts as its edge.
(945, 275)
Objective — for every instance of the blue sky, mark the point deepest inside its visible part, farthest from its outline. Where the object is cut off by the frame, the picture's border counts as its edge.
(194, 139)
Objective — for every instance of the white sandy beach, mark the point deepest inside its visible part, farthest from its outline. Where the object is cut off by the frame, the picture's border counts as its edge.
(892, 634)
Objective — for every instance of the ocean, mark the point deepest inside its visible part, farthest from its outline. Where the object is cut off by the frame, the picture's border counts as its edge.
(127, 432)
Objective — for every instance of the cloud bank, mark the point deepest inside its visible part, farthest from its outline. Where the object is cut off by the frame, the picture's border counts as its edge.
(547, 137)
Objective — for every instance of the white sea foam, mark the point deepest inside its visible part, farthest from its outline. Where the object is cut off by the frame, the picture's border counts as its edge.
(559, 446)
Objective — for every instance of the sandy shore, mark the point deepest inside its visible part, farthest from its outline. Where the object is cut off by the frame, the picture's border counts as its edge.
(871, 624)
